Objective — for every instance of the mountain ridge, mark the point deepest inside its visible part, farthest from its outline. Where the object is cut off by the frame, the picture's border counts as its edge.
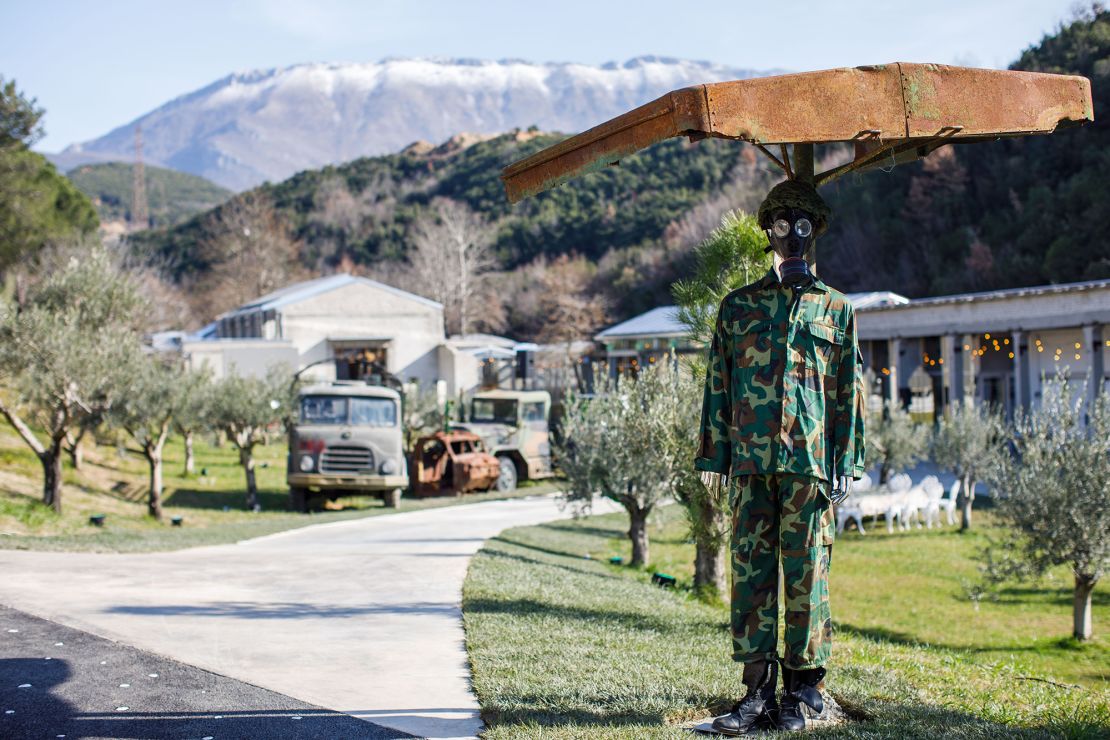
(253, 126)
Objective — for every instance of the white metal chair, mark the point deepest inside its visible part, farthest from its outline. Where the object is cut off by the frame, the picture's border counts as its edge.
(848, 510)
(933, 492)
(948, 505)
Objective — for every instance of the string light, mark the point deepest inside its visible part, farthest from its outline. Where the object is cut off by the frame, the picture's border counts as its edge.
(1011, 355)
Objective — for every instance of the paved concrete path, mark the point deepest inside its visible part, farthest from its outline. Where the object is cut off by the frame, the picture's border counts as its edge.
(359, 616)
(58, 682)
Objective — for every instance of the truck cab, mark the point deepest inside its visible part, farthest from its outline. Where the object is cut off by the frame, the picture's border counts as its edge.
(514, 427)
(347, 441)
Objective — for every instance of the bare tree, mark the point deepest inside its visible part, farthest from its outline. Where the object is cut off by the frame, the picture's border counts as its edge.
(253, 251)
(451, 251)
(64, 352)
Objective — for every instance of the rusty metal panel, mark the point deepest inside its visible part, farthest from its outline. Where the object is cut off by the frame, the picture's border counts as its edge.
(971, 102)
(811, 107)
(671, 115)
(902, 110)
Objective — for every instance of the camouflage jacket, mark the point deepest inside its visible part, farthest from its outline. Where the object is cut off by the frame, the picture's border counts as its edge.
(784, 392)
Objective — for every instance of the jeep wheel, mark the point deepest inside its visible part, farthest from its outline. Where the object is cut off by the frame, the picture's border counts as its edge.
(298, 500)
(392, 499)
(506, 478)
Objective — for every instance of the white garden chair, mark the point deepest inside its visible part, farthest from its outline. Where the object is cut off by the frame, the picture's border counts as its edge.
(933, 490)
(848, 510)
(948, 505)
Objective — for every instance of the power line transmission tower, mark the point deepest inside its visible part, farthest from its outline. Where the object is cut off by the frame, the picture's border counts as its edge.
(140, 214)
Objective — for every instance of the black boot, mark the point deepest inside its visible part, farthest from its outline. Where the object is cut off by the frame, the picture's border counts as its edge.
(757, 710)
(799, 687)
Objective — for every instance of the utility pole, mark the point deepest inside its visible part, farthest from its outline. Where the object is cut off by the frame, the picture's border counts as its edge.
(140, 214)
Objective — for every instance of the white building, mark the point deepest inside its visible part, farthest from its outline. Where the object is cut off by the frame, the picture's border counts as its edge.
(336, 328)
(996, 347)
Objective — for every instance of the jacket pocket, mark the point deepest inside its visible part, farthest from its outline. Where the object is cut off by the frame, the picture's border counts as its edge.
(753, 344)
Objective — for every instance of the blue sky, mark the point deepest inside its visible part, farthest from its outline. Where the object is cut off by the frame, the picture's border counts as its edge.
(97, 65)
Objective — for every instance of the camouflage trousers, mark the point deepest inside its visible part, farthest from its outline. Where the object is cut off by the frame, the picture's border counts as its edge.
(788, 515)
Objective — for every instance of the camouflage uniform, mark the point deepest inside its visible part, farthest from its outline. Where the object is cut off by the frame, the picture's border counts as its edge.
(782, 416)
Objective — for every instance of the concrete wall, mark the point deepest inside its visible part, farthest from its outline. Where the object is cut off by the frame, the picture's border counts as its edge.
(414, 329)
(245, 357)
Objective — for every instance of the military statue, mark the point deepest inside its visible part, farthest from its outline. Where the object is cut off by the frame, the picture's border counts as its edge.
(782, 428)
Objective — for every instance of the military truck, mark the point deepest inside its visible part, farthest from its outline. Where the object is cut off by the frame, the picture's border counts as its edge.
(347, 441)
(514, 427)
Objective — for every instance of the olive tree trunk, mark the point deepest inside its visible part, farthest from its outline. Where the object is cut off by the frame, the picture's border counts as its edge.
(190, 456)
(709, 555)
(1081, 609)
(967, 490)
(51, 459)
(246, 459)
(637, 532)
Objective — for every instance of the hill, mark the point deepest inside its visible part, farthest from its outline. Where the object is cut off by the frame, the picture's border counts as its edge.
(992, 215)
(265, 125)
(172, 196)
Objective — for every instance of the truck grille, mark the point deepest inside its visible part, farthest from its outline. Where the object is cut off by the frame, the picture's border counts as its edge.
(347, 459)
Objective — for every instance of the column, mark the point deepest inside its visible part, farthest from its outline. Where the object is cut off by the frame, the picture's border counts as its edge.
(1092, 338)
(1021, 370)
(948, 373)
(968, 367)
(894, 351)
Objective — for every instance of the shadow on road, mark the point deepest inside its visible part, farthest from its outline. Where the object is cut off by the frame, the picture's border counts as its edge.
(283, 610)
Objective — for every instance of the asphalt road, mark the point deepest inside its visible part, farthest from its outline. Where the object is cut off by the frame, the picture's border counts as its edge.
(58, 682)
(361, 617)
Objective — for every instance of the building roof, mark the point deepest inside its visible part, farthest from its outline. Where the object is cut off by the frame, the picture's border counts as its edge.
(302, 291)
(995, 295)
(658, 322)
(876, 298)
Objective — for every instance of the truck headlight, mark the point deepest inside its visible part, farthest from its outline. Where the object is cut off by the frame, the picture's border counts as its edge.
(389, 467)
(307, 463)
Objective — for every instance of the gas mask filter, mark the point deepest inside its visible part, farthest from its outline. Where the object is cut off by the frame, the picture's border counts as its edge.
(790, 235)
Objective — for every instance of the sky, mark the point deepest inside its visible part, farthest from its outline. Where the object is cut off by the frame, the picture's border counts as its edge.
(96, 65)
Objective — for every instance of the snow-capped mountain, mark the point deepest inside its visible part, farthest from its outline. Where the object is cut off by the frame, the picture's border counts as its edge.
(267, 125)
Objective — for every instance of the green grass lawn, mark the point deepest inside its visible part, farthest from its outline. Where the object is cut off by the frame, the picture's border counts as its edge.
(212, 502)
(564, 645)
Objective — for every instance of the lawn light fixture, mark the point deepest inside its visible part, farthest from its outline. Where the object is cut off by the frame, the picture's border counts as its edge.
(616, 560)
(663, 580)
(177, 521)
(97, 520)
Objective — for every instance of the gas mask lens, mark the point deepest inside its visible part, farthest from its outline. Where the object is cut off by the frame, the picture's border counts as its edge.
(802, 227)
(781, 228)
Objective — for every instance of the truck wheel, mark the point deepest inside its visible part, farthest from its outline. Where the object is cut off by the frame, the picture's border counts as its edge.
(392, 499)
(506, 478)
(298, 500)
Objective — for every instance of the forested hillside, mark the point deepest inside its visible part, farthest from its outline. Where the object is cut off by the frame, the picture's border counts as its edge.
(172, 196)
(974, 217)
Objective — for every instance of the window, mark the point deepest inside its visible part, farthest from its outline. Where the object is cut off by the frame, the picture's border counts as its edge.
(364, 412)
(493, 410)
(323, 410)
(533, 411)
(373, 412)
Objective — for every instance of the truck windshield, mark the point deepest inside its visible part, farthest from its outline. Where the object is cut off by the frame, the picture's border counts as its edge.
(493, 410)
(357, 411)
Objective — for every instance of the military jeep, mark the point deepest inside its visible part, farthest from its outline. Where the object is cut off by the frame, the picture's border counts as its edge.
(514, 427)
(347, 441)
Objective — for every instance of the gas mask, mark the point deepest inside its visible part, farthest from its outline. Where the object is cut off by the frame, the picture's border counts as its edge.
(791, 234)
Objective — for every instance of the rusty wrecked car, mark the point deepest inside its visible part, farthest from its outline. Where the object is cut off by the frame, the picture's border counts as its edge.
(451, 464)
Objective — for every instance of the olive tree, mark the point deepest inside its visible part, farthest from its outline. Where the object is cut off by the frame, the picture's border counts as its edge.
(732, 256)
(895, 442)
(620, 445)
(970, 441)
(157, 390)
(1052, 495)
(244, 408)
(63, 353)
